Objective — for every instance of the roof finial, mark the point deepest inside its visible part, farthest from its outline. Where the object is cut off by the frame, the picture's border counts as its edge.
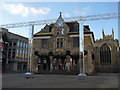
(112, 33)
(60, 13)
(103, 35)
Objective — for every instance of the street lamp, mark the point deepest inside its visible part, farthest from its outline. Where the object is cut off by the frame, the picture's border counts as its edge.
(30, 53)
(81, 50)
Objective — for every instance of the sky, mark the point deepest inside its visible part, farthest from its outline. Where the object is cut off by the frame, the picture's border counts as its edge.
(15, 12)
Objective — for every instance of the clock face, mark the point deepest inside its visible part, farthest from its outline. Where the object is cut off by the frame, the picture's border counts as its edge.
(60, 23)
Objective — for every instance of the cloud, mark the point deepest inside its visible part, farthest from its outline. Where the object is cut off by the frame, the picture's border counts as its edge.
(66, 15)
(83, 12)
(20, 9)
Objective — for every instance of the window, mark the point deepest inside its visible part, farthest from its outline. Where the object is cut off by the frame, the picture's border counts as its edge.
(23, 51)
(19, 66)
(21, 44)
(105, 54)
(44, 43)
(76, 28)
(27, 46)
(26, 52)
(59, 42)
(14, 37)
(13, 53)
(17, 50)
(17, 43)
(24, 45)
(14, 44)
(20, 51)
(10, 44)
(46, 30)
(76, 42)
(9, 54)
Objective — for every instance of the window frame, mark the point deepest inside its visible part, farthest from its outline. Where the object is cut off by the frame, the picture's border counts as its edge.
(44, 41)
(59, 42)
(105, 54)
(75, 42)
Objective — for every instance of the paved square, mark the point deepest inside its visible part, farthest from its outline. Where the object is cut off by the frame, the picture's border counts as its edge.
(101, 80)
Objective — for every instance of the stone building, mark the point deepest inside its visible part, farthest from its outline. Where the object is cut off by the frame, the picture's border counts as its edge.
(56, 48)
(106, 52)
(15, 52)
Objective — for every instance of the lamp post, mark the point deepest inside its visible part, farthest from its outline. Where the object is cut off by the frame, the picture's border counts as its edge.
(81, 50)
(30, 54)
(31, 46)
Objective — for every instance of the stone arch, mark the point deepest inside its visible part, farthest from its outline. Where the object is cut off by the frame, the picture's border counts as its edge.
(68, 53)
(107, 45)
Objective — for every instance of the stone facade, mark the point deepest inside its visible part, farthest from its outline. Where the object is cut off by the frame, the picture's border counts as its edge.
(60, 42)
(56, 48)
(106, 51)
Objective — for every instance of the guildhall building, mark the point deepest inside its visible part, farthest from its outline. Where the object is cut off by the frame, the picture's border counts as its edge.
(56, 48)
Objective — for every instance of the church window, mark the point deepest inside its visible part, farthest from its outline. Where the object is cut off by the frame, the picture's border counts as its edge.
(105, 54)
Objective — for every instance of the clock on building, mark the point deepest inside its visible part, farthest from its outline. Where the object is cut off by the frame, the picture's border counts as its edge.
(60, 23)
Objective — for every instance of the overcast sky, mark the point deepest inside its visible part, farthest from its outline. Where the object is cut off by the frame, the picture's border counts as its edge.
(15, 12)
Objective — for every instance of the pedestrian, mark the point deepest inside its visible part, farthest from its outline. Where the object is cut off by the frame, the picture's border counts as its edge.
(73, 65)
(44, 64)
(54, 64)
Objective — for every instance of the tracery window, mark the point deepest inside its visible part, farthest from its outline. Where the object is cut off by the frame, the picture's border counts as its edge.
(105, 54)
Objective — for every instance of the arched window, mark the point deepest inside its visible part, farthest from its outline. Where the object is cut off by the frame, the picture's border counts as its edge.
(105, 54)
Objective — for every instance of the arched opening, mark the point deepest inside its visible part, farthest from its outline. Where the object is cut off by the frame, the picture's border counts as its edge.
(105, 54)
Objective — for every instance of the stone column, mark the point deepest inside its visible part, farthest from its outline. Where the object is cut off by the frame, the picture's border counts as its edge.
(51, 59)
